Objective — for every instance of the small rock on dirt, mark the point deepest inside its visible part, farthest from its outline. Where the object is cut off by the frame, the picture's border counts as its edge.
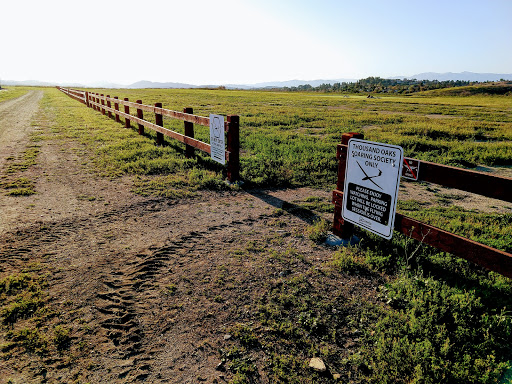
(317, 364)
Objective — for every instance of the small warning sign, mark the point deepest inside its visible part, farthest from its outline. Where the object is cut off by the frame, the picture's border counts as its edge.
(372, 178)
(411, 169)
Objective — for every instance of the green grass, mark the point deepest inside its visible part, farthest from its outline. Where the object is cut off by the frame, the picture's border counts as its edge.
(12, 182)
(21, 295)
(289, 139)
(436, 333)
(18, 187)
(24, 161)
(8, 93)
(115, 151)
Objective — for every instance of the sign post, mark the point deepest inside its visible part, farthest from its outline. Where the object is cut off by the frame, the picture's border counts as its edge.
(217, 140)
(372, 178)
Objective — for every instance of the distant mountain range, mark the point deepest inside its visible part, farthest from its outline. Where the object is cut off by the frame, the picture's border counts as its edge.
(465, 76)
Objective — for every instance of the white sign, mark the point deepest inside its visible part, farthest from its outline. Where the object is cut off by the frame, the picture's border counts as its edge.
(372, 178)
(217, 142)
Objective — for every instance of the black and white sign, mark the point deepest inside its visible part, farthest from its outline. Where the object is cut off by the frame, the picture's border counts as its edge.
(372, 178)
(217, 142)
(411, 169)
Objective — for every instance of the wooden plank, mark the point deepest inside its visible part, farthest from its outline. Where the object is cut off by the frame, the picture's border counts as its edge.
(205, 121)
(189, 132)
(159, 120)
(233, 147)
(77, 95)
(127, 112)
(470, 181)
(487, 257)
(116, 108)
(481, 254)
(140, 115)
(109, 105)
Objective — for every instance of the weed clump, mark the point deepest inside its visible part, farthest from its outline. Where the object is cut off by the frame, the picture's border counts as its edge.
(21, 295)
(317, 232)
(436, 333)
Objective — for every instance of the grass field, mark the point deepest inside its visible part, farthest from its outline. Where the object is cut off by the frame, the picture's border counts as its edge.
(7, 93)
(440, 318)
(289, 139)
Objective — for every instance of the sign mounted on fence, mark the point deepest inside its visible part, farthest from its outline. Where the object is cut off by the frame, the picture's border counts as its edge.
(411, 169)
(217, 141)
(372, 178)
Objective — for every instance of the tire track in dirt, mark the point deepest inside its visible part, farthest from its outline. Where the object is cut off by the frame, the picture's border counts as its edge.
(116, 283)
(129, 295)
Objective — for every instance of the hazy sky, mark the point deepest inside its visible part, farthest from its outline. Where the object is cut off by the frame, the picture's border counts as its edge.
(250, 41)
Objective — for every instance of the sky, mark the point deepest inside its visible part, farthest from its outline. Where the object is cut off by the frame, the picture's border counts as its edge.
(206, 42)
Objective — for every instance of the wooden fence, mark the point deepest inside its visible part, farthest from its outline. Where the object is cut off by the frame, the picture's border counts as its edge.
(100, 102)
(466, 180)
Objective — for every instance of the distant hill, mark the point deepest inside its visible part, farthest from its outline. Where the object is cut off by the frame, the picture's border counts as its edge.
(463, 76)
(503, 88)
(151, 84)
(27, 83)
(296, 83)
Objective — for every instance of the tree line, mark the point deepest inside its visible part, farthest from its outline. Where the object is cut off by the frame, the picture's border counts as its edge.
(379, 85)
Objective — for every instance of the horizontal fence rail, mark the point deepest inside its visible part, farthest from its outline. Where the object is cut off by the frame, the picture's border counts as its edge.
(104, 103)
(466, 180)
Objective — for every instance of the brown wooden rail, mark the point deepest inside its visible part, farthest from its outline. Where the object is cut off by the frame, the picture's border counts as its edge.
(104, 103)
(466, 180)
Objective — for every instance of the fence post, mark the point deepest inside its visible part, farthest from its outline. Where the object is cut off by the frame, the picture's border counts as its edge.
(159, 120)
(116, 107)
(109, 105)
(340, 227)
(233, 138)
(189, 131)
(103, 104)
(127, 111)
(140, 115)
(87, 99)
(97, 102)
